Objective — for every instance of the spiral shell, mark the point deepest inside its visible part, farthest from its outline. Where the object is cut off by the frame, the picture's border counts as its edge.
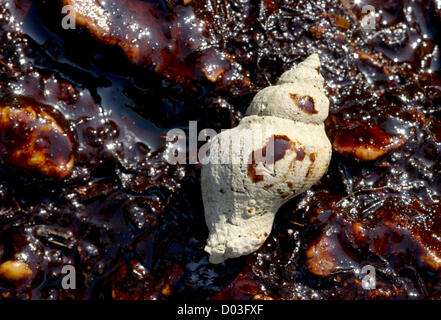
(279, 150)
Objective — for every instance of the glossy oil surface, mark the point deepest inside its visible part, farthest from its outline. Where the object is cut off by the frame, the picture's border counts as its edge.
(133, 225)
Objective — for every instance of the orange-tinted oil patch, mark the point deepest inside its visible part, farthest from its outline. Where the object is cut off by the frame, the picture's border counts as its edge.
(31, 138)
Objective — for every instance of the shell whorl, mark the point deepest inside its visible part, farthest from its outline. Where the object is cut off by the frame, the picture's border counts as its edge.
(298, 95)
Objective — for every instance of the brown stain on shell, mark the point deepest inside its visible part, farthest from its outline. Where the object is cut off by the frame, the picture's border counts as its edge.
(300, 154)
(318, 69)
(309, 171)
(312, 157)
(282, 194)
(305, 103)
(271, 153)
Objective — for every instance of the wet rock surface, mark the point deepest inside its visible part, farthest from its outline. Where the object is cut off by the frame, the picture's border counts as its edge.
(133, 225)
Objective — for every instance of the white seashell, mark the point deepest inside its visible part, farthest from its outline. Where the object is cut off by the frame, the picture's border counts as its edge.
(303, 73)
(296, 102)
(277, 152)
